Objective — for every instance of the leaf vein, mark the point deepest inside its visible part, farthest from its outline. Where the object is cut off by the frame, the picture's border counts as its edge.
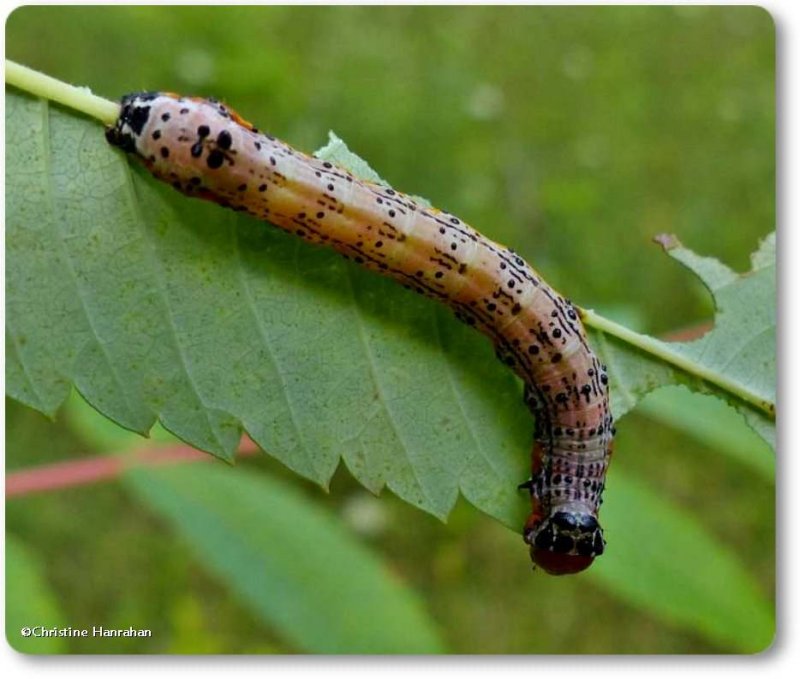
(159, 275)
(60, 240)
(265, 338)
(378, 385)
(489, 459)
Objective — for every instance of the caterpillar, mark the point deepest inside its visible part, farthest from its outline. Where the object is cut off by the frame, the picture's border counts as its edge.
(206, 150)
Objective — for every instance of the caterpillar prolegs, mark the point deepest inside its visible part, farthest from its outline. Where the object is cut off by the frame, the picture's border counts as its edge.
(206, 150)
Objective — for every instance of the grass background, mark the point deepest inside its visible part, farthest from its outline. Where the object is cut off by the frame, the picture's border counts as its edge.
(573, 135)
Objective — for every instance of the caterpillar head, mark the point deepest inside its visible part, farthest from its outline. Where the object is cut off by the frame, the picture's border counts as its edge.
(565, 542)
(133, 116)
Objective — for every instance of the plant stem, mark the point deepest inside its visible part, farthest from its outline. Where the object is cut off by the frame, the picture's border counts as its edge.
(88, 470)
(78, 98)
(664, 352)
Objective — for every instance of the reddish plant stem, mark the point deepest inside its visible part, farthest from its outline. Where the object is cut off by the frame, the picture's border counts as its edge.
(689, 334)
(89, 470)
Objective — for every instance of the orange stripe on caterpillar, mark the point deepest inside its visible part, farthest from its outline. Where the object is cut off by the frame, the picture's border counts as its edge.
(206, 150)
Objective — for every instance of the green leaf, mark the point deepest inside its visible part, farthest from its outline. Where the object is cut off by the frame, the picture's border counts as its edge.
(295, 566)
(30, 602)
(662, 560)
(158, 307)
(735, 361)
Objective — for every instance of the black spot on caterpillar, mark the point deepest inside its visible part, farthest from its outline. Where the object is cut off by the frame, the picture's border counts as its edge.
(206, 150)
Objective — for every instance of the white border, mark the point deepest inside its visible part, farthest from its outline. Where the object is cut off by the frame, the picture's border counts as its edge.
(775, 662)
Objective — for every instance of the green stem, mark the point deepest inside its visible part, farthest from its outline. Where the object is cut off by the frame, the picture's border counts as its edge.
(78, 98)
(663, 351)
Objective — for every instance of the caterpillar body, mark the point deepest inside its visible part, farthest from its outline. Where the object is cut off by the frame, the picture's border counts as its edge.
(206, 150)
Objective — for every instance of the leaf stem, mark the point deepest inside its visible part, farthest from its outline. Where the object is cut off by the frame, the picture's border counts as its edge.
(663, 351)
(78, 98)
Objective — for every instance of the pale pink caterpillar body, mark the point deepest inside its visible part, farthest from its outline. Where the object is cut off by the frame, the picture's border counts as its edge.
(206, 150)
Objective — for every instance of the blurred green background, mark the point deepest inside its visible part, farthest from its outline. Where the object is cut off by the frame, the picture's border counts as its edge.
(573, 135)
